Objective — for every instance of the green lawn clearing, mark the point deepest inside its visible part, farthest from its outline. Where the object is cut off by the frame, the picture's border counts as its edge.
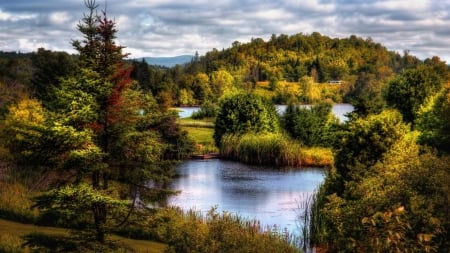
(14, 231)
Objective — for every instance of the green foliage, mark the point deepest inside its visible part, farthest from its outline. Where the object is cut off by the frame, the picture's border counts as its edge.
(49, 68)
(366, 96)
(434, 123)
(408, 91)
(244, 113)
(310, 126)
(400, 205)
(283, 58)
(192, 232)
(387, 194)
(363, 143)
(207, 110)
(72, 204)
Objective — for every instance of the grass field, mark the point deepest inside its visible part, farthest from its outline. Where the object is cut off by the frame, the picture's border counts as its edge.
(15, 231)
(201, 131)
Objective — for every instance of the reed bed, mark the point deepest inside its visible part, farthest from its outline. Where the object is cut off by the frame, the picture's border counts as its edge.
(193, 231)
(272, 149)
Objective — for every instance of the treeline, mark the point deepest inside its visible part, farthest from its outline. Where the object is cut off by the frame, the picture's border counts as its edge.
(296, 60)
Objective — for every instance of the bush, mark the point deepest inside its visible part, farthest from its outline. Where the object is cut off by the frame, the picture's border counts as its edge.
(243, 113)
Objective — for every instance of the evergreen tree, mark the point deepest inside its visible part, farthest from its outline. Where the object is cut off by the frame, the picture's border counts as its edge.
(127, 134)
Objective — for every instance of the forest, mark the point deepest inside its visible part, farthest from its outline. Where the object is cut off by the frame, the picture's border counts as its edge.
(89, 143)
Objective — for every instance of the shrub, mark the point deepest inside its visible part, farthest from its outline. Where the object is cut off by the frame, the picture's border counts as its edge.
(243, 113)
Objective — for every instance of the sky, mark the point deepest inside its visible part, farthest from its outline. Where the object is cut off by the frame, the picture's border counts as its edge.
(160, 28)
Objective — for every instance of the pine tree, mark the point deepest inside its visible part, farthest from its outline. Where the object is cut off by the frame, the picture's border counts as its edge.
(128, 134)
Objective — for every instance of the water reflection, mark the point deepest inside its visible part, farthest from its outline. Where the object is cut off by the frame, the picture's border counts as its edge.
(271, 196)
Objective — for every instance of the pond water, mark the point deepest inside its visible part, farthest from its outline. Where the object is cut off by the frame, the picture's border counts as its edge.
(272, 196)
(338, 109)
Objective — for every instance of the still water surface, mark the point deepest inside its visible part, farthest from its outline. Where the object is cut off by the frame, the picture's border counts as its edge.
(274, 197)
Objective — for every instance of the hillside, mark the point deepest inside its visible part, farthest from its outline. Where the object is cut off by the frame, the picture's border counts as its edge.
(289, 64)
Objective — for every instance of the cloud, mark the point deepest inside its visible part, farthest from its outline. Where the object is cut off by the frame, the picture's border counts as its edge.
(172, 27)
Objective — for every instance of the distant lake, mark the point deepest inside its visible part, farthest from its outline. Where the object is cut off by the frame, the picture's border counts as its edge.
(274, 197)
(338, 109)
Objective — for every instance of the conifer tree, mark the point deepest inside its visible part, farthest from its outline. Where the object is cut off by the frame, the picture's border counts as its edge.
(126, 142)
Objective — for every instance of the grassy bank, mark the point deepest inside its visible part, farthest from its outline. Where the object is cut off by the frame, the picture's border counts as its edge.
(11, 238)
(273, 149)
(201, 131)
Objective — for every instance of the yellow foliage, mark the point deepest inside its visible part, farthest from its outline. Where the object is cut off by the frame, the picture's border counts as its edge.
(27, 111)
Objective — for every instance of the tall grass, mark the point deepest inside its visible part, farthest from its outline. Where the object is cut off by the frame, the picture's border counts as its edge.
(272, 149)
(191, 231)
(11, 244)
(316, 224)
(15, 203)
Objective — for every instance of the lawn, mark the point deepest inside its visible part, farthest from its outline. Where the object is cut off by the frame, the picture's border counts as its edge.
(201, 132)
(15, 230)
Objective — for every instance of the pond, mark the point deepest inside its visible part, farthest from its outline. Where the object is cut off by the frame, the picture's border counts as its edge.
(272, 196)
(338, 109)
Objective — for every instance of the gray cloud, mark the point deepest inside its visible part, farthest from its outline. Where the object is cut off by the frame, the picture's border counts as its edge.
(172, 27)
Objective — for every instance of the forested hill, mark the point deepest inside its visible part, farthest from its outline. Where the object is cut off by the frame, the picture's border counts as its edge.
(293, 60)
(281, 66)
(289, 58)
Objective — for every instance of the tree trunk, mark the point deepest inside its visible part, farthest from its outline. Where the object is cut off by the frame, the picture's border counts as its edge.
(99, 220)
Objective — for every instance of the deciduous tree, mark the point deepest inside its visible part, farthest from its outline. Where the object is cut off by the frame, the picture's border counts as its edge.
(243, 113)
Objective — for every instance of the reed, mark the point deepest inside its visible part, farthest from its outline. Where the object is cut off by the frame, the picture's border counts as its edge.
(192, 231)
(272, 149)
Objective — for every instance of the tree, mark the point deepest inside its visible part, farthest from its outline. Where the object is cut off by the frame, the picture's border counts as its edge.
(433, 121)
(408, 91)
(244, 113)
(366, 95)
(310, 126)
(201, 88)
(400, 205)
(126, 134)
(222, 82)
(49, 67)
(141, 74)
(363, 142)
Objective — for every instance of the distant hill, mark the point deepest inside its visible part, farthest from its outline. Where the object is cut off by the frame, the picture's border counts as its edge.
(168, 61)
